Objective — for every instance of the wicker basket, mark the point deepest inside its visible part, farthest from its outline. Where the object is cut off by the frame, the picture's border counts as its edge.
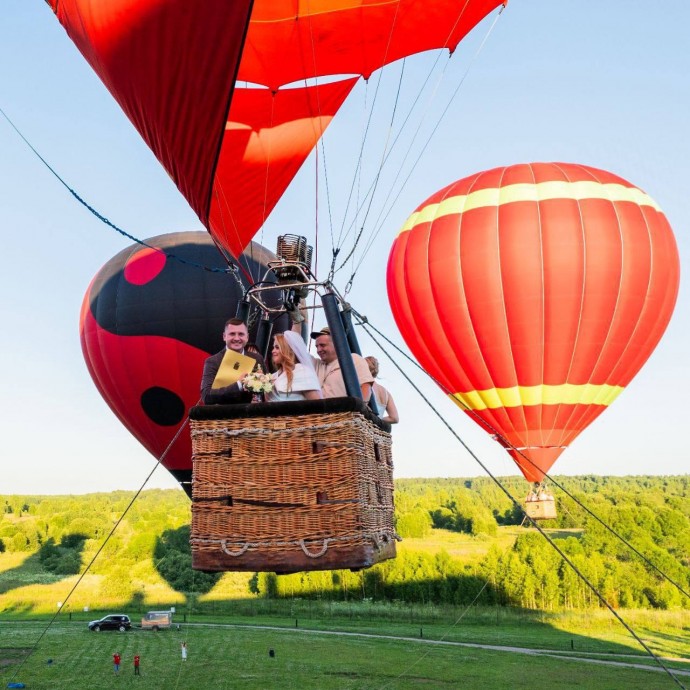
(540, 510)
(291, 486)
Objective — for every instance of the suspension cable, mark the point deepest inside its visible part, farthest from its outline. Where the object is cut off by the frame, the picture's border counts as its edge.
(369, 196)
(159, 462)
(372, 190)
(380, 221)
(366, 129)
(498, 483)
(232, 268)
(495, 432)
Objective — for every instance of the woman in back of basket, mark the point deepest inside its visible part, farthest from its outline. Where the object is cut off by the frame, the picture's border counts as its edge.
(384, 400)
(295, 378)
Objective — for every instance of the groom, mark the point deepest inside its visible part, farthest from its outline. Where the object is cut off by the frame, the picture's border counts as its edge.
(235, 335)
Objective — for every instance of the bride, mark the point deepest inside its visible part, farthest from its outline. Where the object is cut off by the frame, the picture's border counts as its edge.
(295, 378)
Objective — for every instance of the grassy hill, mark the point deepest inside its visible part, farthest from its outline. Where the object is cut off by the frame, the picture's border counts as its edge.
(467, 574)
(463, 543)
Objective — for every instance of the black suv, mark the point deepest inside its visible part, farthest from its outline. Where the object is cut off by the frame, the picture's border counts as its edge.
(112, 622)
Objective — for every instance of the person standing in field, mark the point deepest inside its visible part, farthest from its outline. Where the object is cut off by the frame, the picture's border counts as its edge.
(184, 651)
(137, 660)
(116, 661)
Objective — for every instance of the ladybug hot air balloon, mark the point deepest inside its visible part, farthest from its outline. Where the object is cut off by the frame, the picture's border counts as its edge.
(232, 96)
(533, 294)
(149, 320)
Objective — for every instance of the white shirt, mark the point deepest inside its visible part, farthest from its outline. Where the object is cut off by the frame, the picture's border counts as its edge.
(331, 378)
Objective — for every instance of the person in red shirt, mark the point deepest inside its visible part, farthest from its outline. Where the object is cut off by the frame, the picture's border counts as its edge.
(136, 665)
(116, 661)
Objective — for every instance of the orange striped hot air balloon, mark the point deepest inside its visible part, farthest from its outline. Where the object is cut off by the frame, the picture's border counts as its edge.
(533, 294)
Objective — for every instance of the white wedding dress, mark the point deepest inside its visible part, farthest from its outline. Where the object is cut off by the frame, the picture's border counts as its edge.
(302, 380)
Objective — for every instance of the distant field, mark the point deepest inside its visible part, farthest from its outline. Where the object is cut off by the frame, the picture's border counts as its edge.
(232, 657)
(470, 548)
(465, 546)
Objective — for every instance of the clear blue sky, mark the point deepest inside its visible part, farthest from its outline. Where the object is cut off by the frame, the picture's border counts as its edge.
(604, 84)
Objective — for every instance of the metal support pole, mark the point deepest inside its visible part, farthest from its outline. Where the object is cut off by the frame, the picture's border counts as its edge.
(346, 316)
(263, 335)
(243, 310)
(342, 349)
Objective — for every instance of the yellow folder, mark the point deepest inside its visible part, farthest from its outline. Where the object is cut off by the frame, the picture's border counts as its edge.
(233, 366)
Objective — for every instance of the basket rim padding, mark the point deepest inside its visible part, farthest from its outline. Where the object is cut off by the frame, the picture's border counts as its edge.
(291, 408)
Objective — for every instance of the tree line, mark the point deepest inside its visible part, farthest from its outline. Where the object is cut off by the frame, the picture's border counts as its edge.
(651, 513)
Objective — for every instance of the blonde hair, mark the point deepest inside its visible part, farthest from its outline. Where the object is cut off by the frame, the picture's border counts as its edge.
(288, 356)
(373, 365)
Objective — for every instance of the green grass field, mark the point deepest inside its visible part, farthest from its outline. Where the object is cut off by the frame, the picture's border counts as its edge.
(465, 546)
(230, 655)
(352, 640)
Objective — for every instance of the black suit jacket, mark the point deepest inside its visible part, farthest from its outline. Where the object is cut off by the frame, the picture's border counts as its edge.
(228, 394)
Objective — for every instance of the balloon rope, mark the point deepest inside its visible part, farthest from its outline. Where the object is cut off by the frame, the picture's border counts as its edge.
(365, 134)
(387, 151)
(364, 323)
(368, 197)
(274, 95)
(576, 570)
(100, 548)
(377, 177)
(319, 143)
(231, 268)
(381, 219)
(220, 197)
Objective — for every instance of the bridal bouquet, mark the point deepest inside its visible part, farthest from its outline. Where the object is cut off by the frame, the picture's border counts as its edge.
(258, 382)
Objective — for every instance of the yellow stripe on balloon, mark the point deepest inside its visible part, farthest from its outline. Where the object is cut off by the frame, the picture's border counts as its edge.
(543, 191)
(516, 396)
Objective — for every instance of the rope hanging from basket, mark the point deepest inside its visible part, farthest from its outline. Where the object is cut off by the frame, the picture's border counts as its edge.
(376, 537)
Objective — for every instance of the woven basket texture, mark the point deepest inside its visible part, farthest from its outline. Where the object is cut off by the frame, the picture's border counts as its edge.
(290, 483)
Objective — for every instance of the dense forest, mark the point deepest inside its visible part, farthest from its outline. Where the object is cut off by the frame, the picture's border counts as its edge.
(464, 541)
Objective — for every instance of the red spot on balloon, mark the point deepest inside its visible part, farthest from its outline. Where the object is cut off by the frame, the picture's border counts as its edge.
(144, 266)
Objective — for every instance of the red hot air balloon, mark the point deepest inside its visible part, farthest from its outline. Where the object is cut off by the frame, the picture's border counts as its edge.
(233, 148)
(533, 294)
(148, 322)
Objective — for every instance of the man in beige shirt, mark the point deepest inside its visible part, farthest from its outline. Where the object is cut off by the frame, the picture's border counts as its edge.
(328, 368)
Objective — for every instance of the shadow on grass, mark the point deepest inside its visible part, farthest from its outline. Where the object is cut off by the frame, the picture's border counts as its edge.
(482, 625)
(556, 533)
(51, 563)
(173, 560)
(475, 623)
(366, 601)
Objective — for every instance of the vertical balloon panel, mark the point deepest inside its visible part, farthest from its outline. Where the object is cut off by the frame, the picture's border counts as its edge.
(533, 294)
(232, 151)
